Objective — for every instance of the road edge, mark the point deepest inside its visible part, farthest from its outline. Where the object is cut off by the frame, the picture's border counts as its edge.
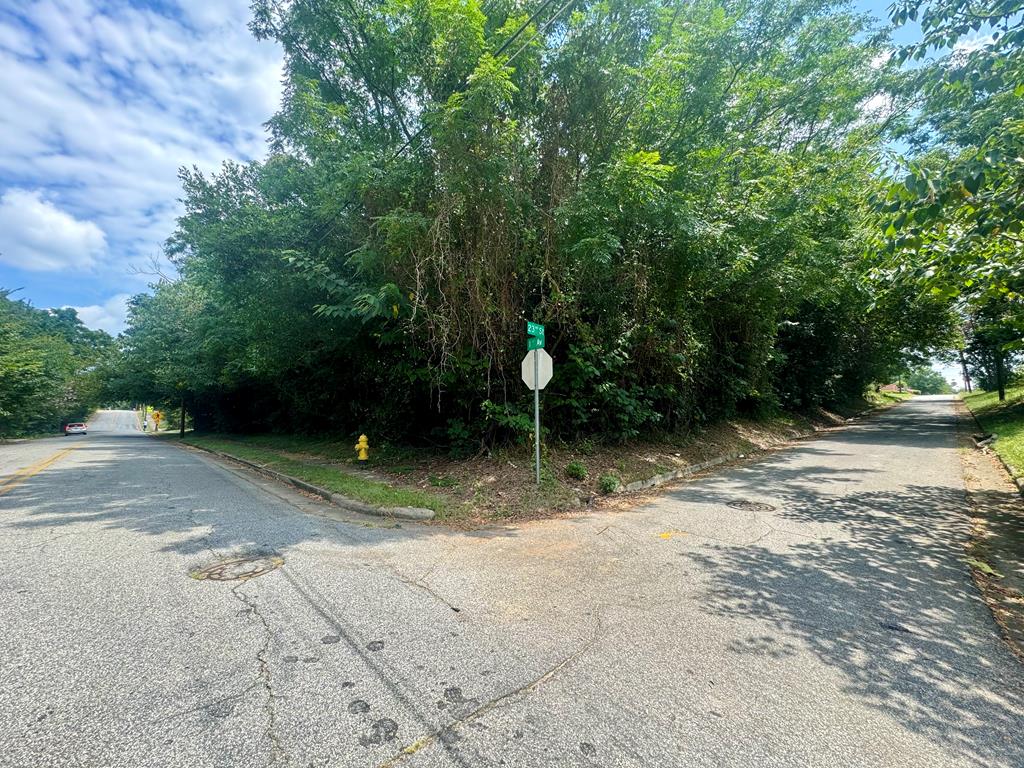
(692, 469)
(420, 514)
(1002, 603)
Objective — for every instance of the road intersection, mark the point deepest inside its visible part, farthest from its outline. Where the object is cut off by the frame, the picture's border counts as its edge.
(812, 608)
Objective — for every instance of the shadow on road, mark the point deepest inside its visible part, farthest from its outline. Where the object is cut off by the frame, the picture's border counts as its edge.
(892, 607)
(872, 582)
(134, 483)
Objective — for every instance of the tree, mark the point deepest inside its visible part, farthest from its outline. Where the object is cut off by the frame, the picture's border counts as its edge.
(954, 218)
(48, 367)
(928, 381)
(675, 189)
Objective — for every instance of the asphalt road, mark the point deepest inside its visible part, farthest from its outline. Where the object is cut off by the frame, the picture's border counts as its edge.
(840, 628)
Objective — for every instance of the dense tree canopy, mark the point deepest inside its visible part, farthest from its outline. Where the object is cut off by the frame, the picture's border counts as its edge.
(927, 381)
(681, 191)
(954, 215)
(51, 367)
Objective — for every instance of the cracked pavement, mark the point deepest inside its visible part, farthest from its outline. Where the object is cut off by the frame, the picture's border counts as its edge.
(841, 628)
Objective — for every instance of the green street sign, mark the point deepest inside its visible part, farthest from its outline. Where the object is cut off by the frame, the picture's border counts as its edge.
(535, 342)
(535, 329)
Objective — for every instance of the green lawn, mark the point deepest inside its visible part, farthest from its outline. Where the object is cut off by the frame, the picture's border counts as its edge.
(347, 482)
(1006, 419)
(886, 398)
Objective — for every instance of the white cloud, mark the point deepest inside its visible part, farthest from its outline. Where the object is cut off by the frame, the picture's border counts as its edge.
(108, 316)
(881, 59)
(972, 43)
(102, 102)
(878, 107)
(38, 236)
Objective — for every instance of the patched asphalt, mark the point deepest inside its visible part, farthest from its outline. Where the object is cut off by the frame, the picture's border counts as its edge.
(840, 628)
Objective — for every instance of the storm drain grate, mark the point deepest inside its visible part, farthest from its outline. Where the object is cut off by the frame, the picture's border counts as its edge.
(238, 568)
(751, 506)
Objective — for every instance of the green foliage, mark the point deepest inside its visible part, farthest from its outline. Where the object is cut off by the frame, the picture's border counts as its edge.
(928, 381)
(952, 211)
(1004, 418)
(576, 470)
(675, 189)
(443, 481)
(51, 368)
(608, 484)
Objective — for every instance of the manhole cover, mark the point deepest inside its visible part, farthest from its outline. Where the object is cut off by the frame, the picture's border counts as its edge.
(751, 506)
(238, 568)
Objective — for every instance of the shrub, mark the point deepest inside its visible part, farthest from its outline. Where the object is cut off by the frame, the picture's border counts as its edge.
(576, 470)
(608, 484)
(443, 481)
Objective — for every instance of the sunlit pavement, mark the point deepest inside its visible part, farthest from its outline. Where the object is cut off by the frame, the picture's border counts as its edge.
(809, 609)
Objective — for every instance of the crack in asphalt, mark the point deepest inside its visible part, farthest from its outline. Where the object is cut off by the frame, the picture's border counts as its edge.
(200, 707)
(420, 583)
(206, 538)
(40, 545)
(375, 666)
(444, 734)
(277, 752)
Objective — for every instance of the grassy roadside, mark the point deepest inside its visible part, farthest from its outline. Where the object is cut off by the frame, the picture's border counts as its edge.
(319, 471)
(500, 485)
(883, 399)
(1005, 419)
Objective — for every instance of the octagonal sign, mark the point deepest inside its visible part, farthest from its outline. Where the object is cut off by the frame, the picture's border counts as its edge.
(544, 368)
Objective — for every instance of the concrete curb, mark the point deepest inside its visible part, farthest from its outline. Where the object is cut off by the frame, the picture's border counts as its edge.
(1018, 481)
(675, 474)
(351, 505)
(690, 469)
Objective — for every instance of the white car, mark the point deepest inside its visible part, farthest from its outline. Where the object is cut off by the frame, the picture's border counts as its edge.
(75, 429)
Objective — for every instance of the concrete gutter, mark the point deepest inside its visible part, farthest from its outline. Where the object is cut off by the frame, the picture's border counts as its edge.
(350, 505)
(675, 474)
(1018, 481)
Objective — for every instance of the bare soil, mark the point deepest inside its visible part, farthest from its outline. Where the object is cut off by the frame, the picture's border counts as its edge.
(996, 550)
(501, 485)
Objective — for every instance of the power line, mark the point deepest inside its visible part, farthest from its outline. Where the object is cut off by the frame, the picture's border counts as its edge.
(497, 53)
(541, 31)
(504, 46)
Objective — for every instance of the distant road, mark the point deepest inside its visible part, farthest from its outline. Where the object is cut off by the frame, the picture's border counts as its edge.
(808, 609)
(115, 423)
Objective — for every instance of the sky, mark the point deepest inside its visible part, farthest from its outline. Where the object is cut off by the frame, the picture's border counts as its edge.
(101, 102)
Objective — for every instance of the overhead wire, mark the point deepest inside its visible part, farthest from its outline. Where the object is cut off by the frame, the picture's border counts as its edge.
(501, 49)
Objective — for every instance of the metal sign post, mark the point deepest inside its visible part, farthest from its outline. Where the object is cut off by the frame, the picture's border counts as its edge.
(536, 371)
(536, 414)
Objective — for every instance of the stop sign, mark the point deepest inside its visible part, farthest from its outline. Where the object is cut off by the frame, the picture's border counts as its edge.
(544, 368)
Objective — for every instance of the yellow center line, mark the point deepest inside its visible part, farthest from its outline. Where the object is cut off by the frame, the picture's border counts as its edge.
(34, 469)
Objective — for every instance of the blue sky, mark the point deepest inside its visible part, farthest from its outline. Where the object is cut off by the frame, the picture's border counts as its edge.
(101, 101)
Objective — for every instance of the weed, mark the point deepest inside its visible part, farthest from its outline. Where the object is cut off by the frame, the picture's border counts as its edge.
(443, 481)
(608, 484)
(577, 470)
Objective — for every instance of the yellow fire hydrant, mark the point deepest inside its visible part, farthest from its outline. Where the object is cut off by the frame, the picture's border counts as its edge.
(363, 448)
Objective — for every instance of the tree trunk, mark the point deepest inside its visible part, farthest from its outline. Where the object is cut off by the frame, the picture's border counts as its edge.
(1001, 375)
(181, 424)
(967, 376)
